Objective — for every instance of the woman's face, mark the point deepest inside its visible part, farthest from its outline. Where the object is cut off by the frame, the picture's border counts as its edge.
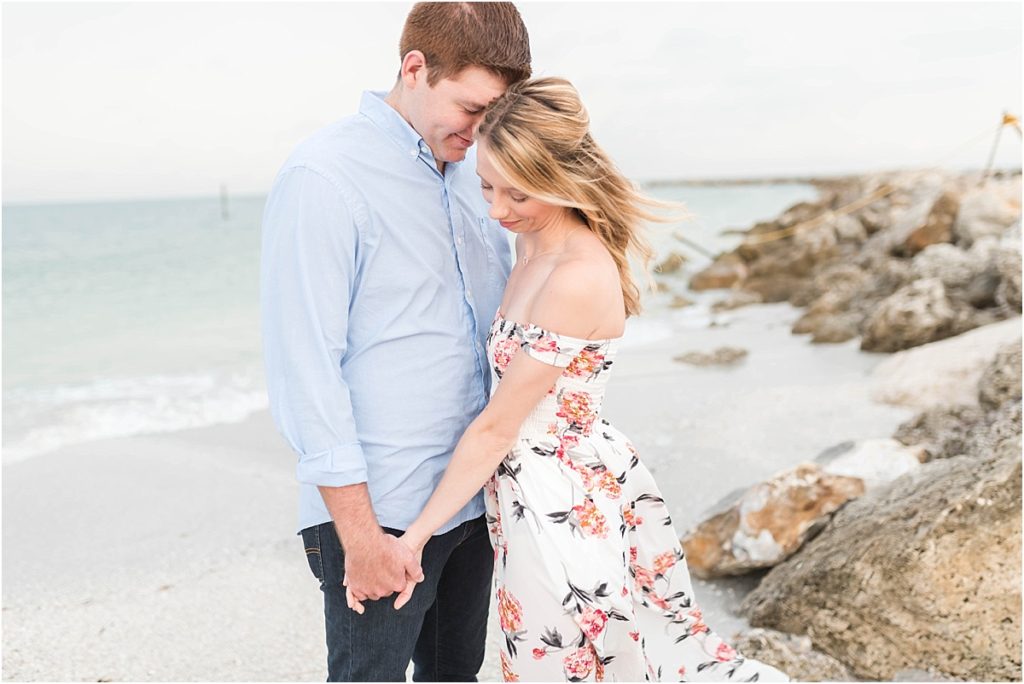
(513, 208)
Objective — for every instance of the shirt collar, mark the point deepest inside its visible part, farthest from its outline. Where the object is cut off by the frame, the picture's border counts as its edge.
(387, 118)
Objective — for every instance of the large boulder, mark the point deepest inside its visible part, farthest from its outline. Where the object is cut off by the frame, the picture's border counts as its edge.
(768, 523)
(942, 431)
(944, 372)
(793, 654)
(983, 212)
(915, 314)
(923, 573)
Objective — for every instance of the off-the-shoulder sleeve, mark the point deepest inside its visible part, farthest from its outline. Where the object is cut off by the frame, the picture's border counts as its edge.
(551, 348)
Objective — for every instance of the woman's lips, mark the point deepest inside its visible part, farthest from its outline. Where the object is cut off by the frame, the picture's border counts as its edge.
(508, 224)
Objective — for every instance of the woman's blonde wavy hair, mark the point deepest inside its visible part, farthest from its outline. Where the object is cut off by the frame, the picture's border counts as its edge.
(538, 137)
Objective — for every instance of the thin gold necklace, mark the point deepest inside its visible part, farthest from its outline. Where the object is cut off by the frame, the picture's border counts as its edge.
(526, 259)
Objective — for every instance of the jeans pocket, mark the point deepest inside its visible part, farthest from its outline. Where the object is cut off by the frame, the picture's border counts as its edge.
(311, 540)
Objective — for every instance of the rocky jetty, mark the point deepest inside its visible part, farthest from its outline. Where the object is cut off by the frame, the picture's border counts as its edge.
(898, 260)
(897, 558)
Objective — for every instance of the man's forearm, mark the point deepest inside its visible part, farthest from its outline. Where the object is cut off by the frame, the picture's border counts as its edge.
(352, 511)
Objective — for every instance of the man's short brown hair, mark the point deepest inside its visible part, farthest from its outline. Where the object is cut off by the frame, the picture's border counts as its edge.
(456, 35)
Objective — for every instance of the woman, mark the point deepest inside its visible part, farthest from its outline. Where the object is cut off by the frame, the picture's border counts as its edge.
(591, 580)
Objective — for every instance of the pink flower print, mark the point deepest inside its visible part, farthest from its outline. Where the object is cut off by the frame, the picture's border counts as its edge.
(664, 561)
(682, 670)
(552, 428)
(539, 653)
(591, 520)
(635, 636)
(659, 601)
(592, 622)
(506, 669)
(609, 485)
(632, 555)
(510, 611)
(630, 517)
(579, 663)
(544, 344)
(576, 408)
(568, 441)
(643, 578)
(585, 363)
(725, 652)
(504, 350)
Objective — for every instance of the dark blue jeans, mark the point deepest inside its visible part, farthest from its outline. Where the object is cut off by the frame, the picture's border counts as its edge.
(443, 627)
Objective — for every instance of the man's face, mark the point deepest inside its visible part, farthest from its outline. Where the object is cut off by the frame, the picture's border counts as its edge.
(447, 114)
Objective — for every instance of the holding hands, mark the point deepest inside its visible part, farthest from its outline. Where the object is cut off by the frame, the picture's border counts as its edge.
(382, 566)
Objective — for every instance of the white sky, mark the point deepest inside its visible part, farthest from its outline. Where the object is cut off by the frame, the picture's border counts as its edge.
(173, 99)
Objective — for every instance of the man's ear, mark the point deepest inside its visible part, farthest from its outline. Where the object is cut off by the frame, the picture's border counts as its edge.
(414, 69)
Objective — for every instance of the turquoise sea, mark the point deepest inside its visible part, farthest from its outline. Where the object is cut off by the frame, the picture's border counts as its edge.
(127, 318)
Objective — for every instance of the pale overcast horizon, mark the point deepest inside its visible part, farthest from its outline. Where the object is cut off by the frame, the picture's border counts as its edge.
(164, 100)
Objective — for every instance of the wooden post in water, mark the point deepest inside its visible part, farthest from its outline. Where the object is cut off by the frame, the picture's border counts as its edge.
(224, 215)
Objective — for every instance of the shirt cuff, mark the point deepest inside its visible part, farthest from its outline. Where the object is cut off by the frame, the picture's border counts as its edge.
(337, 467)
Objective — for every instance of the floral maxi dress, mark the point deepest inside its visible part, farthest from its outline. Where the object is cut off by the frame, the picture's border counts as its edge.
(590, 578)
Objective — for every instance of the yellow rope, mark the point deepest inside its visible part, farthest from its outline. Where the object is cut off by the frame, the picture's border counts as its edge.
(879, 193)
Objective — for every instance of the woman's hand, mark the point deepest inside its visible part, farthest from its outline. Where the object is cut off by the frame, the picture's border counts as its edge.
(406, 594)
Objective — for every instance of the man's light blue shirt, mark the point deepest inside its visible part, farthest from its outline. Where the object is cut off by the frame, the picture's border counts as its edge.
(379, 280)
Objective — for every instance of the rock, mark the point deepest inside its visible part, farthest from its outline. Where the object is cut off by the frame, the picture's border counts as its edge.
(835, 329)
(679, 302)
(922, 675)
(915, 314)
(774, 287)
(999, 428)
(829, 318)
(736, 300)
(942, 431)
(719, 357)
(792, 654)
(848, 229)
(1008, 265)
(724, 272)
(984, 211)
(923, 573)
(938, 227)
(832, 288)
(769, 522)
(945, 372)
(877, 461)
(950, 264)
(672, 263)
(1001, 381)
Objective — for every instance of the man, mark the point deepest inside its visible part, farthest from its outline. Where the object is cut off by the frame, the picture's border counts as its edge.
(380, 276)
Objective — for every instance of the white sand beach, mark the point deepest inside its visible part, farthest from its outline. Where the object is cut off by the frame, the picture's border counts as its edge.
(173, 557)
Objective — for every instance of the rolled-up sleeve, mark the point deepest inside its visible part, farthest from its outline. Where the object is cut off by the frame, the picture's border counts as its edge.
(307, 276)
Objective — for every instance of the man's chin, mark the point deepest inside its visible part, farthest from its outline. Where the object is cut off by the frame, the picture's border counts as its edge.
(455, 154)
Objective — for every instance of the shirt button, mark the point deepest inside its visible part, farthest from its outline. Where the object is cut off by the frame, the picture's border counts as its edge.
(414, 152)
(469, 293)
(458, 241)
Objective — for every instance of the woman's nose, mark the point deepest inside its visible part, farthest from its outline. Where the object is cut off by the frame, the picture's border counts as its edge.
(498, 210)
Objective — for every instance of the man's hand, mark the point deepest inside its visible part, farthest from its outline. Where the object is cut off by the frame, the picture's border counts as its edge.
(376, 563)
(379, 566)
(390, 567)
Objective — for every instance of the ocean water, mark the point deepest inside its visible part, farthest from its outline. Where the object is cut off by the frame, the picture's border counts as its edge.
(143, 317)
